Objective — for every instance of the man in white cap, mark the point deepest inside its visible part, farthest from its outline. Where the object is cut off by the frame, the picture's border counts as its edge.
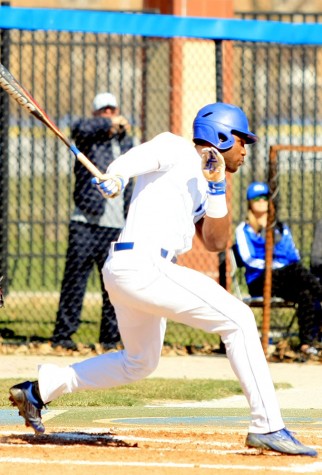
(95, 222)
(104, 100)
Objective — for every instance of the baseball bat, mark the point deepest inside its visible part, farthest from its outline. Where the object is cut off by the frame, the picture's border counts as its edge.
(25, 99)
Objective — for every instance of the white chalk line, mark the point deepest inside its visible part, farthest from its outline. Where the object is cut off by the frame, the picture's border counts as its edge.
(315, 467)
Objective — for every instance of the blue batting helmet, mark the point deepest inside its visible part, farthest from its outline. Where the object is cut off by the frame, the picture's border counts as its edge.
(215, 123)
(257, 188)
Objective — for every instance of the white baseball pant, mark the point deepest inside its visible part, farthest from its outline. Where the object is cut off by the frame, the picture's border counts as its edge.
(145, 290)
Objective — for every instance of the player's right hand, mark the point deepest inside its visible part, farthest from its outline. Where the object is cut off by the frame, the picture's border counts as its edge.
(213, 165)
(111, 187)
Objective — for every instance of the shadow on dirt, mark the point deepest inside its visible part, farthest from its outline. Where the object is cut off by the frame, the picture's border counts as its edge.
(67, 438)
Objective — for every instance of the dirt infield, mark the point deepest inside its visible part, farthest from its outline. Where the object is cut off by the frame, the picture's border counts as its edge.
(145, 451)
(138, 441)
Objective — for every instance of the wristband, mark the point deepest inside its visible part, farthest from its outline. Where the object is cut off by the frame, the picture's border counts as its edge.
(216, 188)
(217, 206)
(121, 181)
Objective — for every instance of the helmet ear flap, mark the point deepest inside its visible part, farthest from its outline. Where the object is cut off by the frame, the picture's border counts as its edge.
(210, 131)
(206, 132)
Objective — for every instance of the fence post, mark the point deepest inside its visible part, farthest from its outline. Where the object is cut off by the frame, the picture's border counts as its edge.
(220, 98)
(4, 158)
(269, 247)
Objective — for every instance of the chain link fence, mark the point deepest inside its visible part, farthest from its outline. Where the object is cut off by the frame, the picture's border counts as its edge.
(160, 83)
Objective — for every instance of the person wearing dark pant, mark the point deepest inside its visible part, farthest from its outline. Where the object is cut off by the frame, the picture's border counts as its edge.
(297, 284)
(316, 251)
(95, 222)
(290, 279)
(87, 247)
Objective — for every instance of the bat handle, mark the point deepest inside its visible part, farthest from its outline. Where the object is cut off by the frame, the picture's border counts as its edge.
(88, 164)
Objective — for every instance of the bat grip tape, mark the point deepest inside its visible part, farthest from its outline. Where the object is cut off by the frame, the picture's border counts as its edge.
(74, 149)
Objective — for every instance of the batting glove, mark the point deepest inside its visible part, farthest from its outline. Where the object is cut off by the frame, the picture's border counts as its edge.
(214, 170)
(111, 187)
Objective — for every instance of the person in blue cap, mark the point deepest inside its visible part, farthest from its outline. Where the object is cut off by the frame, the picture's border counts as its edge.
(290, 279)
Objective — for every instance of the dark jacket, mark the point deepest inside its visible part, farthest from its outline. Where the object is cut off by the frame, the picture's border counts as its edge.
(92, 139)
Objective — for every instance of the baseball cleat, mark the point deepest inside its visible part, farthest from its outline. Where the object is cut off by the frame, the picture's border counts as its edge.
(280, 441)
(27, 399)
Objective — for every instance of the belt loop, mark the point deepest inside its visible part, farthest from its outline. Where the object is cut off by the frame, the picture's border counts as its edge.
(164, 253)
(123, 246)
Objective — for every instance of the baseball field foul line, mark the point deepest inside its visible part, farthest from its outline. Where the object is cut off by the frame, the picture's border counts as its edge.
(311, 468)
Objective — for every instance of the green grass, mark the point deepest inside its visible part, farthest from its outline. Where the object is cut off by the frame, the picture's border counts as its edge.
(142, 392)
(33, 315)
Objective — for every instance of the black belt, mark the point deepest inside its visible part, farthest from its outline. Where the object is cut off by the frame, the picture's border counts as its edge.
(124, 246)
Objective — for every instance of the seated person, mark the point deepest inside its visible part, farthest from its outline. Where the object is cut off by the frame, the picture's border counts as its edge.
(290, 280)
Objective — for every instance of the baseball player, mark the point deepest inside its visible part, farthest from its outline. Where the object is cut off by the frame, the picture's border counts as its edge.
(180, 190)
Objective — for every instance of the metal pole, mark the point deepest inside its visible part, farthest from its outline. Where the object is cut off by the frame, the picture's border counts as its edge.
(220, 98)
(4, 158)
(269, 248)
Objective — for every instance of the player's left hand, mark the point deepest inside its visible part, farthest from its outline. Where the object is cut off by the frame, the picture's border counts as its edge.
(213, 165)
(111, 187)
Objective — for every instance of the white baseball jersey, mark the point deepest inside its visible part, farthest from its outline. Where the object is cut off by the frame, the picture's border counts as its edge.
(167, 201)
